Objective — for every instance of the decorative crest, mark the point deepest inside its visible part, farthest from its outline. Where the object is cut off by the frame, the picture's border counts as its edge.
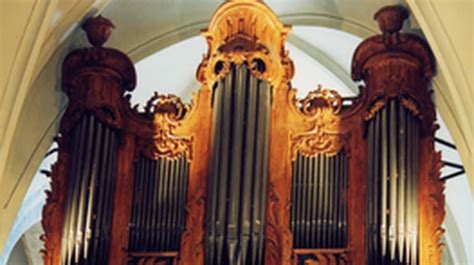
(321, 108)
(167, 112)
(246, 31)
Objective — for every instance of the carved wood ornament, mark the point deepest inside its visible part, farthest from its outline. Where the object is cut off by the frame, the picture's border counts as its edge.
(393, 65)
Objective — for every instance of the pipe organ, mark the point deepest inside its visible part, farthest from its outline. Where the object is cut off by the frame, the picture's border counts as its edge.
(248, 173)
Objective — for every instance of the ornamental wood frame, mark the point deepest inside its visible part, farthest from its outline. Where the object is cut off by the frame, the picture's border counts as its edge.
(393, 65)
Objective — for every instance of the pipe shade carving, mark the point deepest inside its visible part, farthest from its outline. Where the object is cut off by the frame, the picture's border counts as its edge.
(247, 173)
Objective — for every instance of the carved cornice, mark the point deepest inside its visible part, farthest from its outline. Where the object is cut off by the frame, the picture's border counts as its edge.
(246, 31)
(97, 58)
(390, 21)
(321, 109)
(167, 113)
(96, 78)
(396, 65)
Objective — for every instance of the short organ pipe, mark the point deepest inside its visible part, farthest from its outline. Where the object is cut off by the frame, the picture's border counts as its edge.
(318, 201)
(157, 220)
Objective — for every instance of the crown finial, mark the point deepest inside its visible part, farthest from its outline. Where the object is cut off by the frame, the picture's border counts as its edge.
(98, 30)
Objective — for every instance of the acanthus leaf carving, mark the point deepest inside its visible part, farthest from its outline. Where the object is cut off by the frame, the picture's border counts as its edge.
(166, 112)
(432, 203)
(52, 211)
(246, 32)
(321, 109)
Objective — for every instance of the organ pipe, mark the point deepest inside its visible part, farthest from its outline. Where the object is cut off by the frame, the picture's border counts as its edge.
(395, 186)
(87, 224)
(157, 218)
(319, 197)
(236, 194)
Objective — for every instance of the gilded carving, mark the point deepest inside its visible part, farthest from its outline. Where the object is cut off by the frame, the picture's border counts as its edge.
(246, 31)
(410, 105)
(167, 112)
(375, 107)
(431, 204)
(52, 211)
(380, 102)
(321, 109)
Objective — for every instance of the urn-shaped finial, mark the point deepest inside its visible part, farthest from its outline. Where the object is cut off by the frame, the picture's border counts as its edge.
(390, 18)
(98, 30)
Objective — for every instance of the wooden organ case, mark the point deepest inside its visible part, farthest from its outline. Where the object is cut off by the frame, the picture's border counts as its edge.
(248, 173)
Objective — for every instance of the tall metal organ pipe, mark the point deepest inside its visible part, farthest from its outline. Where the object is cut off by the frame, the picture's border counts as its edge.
(392, 186)
(237, 181)
(89, 198)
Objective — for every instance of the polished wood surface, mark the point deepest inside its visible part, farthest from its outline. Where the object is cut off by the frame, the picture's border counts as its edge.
(392, 65)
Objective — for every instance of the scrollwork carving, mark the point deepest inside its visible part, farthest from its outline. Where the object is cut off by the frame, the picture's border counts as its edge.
(246, 32)
(324, 136)
(167, 112)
